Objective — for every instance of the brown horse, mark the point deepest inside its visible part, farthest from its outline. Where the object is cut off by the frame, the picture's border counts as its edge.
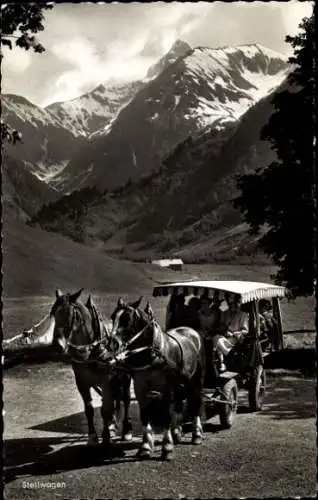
(167, 368)
(79, 332)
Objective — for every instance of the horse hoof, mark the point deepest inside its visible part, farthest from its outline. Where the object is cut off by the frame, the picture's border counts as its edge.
(196, 440)
(127, 437)
(143, 454)
(112, 433)
(167, 455)
(177, 437)
(92, 440)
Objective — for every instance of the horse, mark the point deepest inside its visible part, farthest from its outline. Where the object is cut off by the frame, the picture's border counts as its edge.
(167, 368)
(80, 332)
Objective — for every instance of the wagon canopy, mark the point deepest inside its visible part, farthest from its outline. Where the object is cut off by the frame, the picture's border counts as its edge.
(248, 290)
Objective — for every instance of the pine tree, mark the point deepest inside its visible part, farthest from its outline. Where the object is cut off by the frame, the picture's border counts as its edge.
(281, 197)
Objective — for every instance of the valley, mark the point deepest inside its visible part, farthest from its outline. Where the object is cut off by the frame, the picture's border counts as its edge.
(138, 171)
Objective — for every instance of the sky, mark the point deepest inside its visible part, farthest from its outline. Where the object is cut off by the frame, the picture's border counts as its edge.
(92, 43)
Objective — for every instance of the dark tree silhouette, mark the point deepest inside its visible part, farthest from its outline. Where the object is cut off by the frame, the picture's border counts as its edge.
(19, 22)
(281, 197)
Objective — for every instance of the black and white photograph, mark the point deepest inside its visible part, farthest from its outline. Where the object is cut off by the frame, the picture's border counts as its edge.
(159, 292)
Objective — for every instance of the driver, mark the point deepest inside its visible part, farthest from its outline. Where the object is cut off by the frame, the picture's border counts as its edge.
(234, 324)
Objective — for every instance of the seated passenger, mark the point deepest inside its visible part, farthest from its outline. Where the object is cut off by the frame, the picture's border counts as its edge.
(176, 311)
(192, 317)
(208, 317)
(267, 321)
(234, 324)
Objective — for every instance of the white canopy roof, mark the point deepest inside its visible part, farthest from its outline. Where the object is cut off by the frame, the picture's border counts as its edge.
(248, 290)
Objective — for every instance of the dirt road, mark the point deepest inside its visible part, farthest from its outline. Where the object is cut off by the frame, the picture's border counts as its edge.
(268, 454)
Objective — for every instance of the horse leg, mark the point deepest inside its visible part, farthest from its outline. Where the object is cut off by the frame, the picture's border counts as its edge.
(107, 412)
(197, 430)
(115, 396)
(176, 421)
(195, 404)
(113, 427)
(127, 425)
(85, 392)
(147, 444)
(89, 412)
(167, 451)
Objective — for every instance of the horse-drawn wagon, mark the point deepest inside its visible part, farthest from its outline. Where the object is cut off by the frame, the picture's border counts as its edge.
(244, 363)
(216, 337)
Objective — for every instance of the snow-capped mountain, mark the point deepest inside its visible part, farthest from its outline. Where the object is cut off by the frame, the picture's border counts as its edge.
(185, 207)
(86, 114)
(46, 144)
(204, 88)
(236, 78)
(94, 113)
(51, 135)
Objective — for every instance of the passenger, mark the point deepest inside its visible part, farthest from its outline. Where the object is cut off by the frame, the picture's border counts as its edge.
(176, 311)
(234, 324)
(192, 316)
(180, 311)
(268, 322)
(171, 311)
(208, 317)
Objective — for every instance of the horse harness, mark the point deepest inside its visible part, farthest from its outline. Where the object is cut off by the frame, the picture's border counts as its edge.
(156, 349)
(82, 353)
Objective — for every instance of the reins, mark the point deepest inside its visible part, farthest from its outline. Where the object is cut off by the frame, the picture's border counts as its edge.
(128, 353)
(179, 345)
(131, 341)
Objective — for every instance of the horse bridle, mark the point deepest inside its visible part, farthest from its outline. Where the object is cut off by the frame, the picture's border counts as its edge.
(70, 329)
(127, 353)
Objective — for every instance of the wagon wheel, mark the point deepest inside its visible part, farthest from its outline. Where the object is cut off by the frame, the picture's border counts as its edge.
(256, 390)
(228, 411)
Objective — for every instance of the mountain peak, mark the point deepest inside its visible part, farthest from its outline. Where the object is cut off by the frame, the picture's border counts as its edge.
(178, 49)
(181, 47)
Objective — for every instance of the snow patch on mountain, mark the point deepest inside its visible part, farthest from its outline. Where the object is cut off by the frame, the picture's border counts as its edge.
(94, 110)
(237, 78)
(51, 174)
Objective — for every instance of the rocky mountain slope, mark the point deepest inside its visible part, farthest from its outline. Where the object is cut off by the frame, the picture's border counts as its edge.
(46, 144)
(23, 194)
(185, 208)
(205, 88)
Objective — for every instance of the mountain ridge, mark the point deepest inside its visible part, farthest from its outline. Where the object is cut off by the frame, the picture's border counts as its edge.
(185, 208)
(194, 92)
(166, 163)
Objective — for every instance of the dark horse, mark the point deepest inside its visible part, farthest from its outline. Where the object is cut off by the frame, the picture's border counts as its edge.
(79, 332)
(167, 368)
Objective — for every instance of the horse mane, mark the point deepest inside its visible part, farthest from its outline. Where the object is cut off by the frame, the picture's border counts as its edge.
(97, 321)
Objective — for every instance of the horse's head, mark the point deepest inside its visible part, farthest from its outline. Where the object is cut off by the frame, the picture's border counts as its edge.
(66, 318)
(130, 324)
